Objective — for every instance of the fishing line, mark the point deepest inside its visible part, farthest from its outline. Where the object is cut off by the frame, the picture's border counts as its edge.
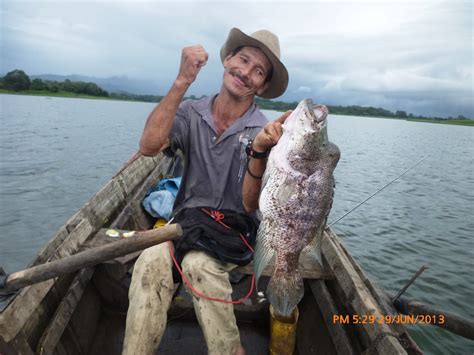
(376, 192)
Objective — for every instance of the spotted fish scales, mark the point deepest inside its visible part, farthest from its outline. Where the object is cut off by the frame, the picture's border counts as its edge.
(295, 200)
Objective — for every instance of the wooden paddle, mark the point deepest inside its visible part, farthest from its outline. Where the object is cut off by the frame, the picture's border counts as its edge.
(128, 243)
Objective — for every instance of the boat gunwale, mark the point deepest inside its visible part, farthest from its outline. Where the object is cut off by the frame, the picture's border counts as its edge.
(363, 300)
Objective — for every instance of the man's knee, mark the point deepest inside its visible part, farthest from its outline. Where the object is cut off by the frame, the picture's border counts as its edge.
(155, 256)
(197, 264)
(151, 268)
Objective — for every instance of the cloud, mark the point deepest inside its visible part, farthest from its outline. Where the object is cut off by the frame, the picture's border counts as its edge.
(303, 90)
(400, 55)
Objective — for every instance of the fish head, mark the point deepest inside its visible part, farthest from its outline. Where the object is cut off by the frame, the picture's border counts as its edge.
(309, 116)
(305, 134)
(307, 124)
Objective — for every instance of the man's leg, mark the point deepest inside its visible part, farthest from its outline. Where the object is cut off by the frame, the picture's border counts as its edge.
(217, 319)
(150, 295)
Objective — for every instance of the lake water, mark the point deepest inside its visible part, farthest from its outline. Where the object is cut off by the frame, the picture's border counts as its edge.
(55, 153)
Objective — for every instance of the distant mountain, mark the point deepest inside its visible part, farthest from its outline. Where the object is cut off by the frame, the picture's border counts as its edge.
(117, 84)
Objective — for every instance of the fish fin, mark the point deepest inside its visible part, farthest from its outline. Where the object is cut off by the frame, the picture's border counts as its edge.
(269, 171)
(285, 291)
(313, 248)
(263, 251)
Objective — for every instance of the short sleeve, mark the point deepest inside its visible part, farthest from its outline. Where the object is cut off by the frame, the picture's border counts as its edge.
(180, 129)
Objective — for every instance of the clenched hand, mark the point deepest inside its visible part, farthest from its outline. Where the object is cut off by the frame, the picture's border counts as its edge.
(192, 60)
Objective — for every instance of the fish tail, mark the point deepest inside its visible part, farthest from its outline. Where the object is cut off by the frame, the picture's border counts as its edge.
(263, 252)
(285, 291)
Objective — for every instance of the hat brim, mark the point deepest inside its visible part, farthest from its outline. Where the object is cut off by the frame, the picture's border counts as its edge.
(279, 81)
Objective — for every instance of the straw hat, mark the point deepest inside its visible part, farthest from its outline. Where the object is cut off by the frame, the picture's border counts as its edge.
(268, 43)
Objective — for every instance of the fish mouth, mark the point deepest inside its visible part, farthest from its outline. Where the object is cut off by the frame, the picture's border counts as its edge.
(321, 113)
(317, 114)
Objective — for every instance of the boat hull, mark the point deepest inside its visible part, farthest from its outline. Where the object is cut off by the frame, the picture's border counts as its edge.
(85, 312)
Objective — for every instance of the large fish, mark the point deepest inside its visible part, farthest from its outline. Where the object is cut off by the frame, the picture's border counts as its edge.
(295, 200)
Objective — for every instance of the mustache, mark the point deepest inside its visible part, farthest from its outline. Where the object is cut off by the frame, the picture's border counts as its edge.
(241, 77)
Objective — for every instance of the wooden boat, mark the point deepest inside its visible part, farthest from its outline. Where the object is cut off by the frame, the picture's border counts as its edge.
(84, 312)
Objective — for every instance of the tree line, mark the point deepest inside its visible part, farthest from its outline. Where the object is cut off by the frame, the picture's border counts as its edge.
(352, 110)
(18, 80)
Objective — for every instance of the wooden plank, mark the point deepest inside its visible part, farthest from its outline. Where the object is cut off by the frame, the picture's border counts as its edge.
(13, 318)
(6, 348)
(106, 203)
(377, 293)
(133, 176)
(133, 215)
(50, 247)
(383, 300)
(113, 292)
(133, 210)
(63, 314)
(344, 308)
(83, 231)
(40, 318)
(21, 346)
(27, 301)
(140, 240)
(89, 311)
(69, 346)
(309, 268)
(328, 310)
(360, 298)
(312, 335)
(134, 157)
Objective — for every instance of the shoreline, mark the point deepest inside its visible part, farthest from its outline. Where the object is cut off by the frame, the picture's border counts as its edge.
(453, 122)
(65, 94)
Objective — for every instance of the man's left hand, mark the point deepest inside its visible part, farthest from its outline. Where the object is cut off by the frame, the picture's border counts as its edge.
(270, 134)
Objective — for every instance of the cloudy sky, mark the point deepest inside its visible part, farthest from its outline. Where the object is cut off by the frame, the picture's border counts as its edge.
(412, 55)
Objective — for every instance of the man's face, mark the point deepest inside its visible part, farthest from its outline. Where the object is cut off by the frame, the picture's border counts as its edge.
(245, 72)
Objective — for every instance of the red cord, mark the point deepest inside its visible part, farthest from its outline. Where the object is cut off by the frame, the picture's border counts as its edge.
(217, 216)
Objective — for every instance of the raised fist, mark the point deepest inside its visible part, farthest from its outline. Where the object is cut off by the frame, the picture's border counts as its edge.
(192, 60)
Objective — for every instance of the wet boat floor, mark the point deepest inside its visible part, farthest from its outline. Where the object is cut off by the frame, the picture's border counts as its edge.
(183, 333)
(181, 337)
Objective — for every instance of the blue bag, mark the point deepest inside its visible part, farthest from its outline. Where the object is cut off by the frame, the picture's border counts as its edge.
(160, 199)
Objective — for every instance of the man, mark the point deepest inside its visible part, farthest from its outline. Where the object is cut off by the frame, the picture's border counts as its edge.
(213, 134)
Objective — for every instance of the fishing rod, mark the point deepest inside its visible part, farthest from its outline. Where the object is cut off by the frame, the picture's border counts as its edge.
(379, 190)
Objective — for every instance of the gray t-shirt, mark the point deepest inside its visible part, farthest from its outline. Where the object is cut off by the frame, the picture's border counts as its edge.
(214, 167)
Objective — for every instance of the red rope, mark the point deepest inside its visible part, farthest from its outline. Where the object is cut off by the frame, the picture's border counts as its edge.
(217, 216)
(200, 294)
